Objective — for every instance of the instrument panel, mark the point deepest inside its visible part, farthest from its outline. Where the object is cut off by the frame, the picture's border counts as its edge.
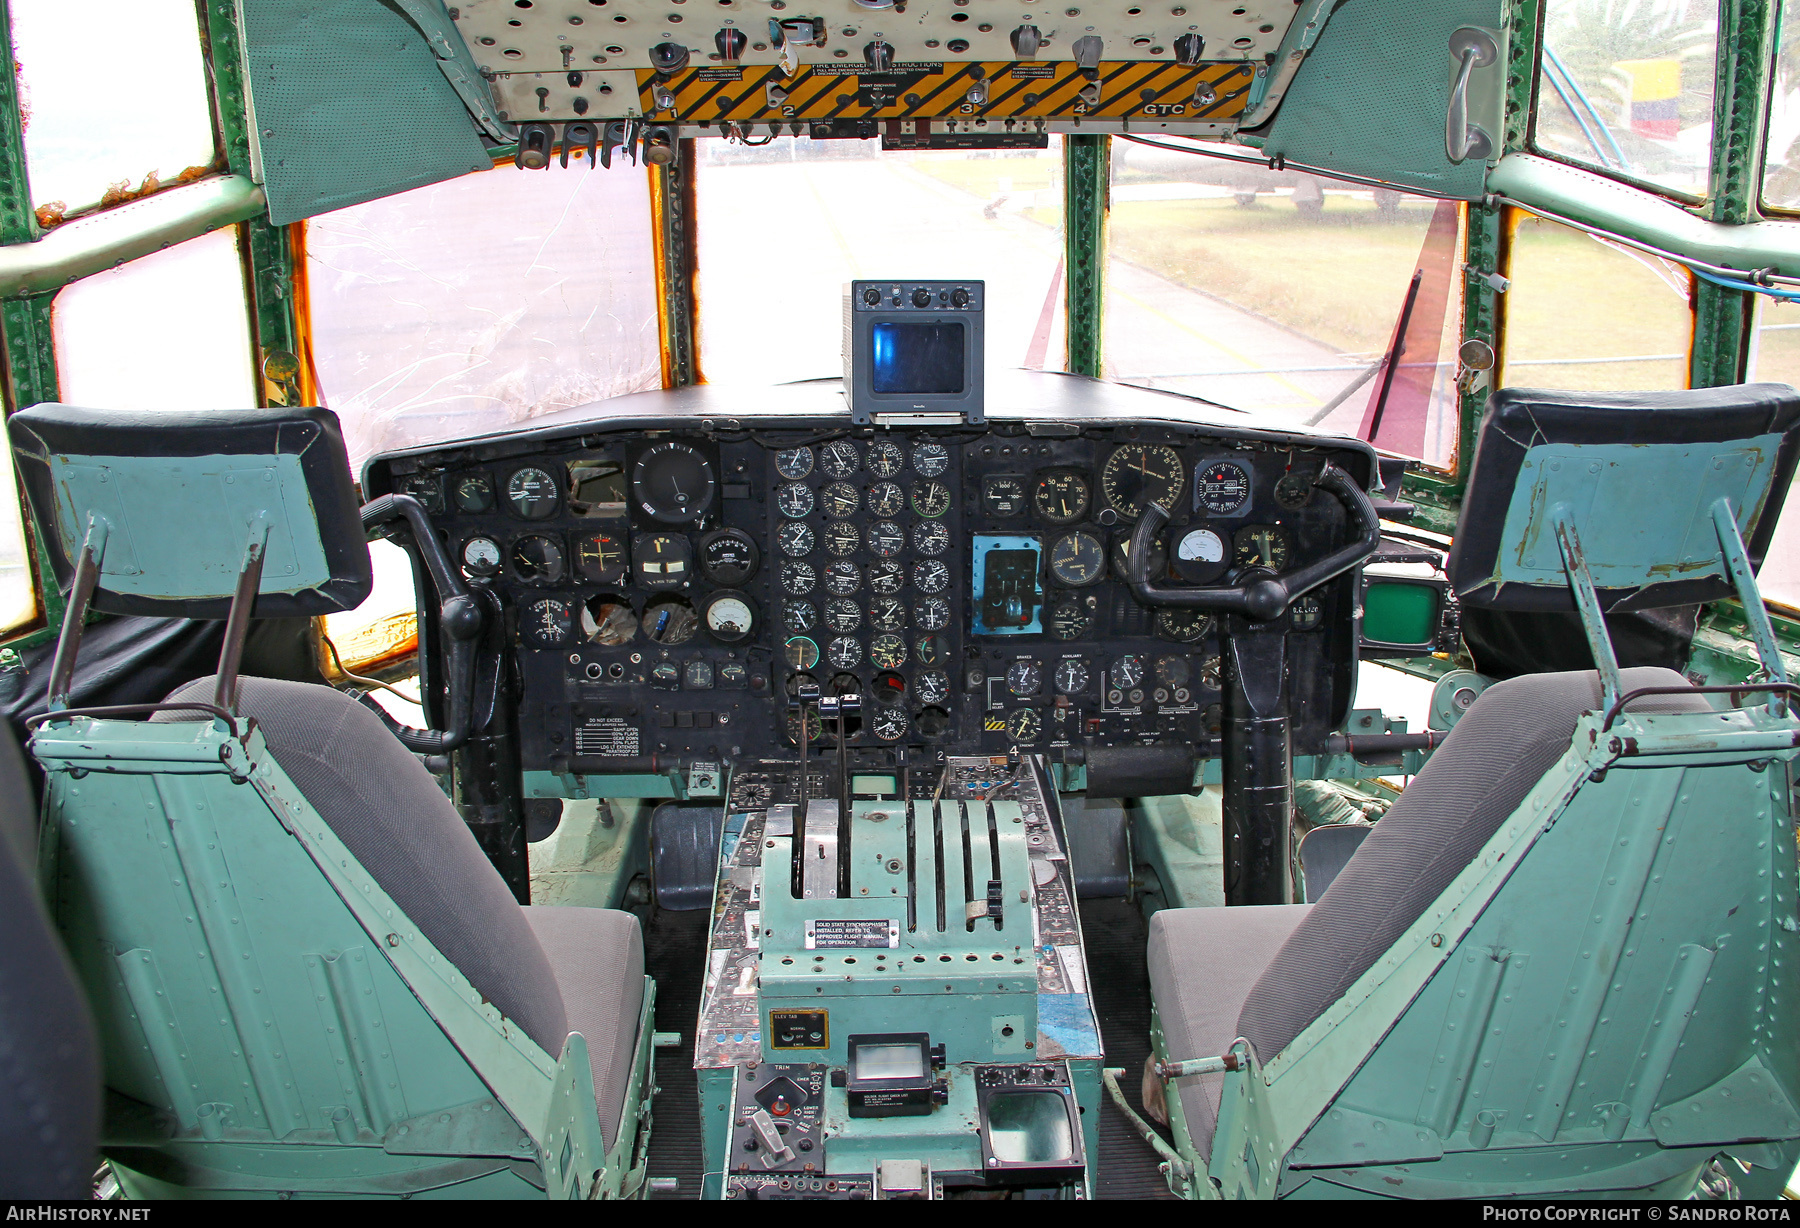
(678, 594)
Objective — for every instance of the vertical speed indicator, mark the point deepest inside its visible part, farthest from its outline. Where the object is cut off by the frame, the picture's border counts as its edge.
(1139, 474)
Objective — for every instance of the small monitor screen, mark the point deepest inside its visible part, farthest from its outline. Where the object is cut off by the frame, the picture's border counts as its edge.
(1029, 1128)
(1399, 613)
(903, 1061)
(912, 359)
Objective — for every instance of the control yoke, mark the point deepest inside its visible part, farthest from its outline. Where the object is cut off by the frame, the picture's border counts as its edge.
(1263, 596)
(459, 619)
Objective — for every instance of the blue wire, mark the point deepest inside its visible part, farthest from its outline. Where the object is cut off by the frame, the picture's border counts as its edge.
(1605, 128)
(1789, 296)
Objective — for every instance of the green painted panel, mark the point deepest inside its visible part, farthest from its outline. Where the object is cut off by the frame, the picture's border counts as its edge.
(179, 524)
(1644, 511)
(1371, 98)
(349, 105)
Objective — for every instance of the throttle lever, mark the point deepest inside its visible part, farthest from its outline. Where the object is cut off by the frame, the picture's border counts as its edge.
(1264, 597)
(459, 618)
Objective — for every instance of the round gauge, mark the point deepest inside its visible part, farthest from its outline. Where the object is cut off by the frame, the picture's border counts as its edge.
(661, 560)
(932, 650)
(698, 676)
(1071, 677)
(728, 557)
(1077, 559)
(481, 556)
(886, 499)
(932, 686)
(732, 674)
(532, 494)
(931, 575)
(839, 458)
(814, 726)
(886, 539)
(429, 491)
(1201, 556)
(1002, 495)
(670, 620)
(886, 577)
(800, 652)
(841, 539)
(1024, 725)
(794, 500)
(885, 459)
(931, 614)
(600, 557)
(474, 494)
(1024, 678)
(664, 674)
(889, 723)
(1159, 557)
(608, 621)
(538, 559)
(888, 651)
(1294, 491)
(930, 499)
(1172, 671)
(546, 622)
(1128, 671)
(672, 483)
(1306, 613)
(843, 615)
(794, 463)
(1061, 498)
(795, 539)
(1212, 673)
(1182, 626)
(887, 614)
(845, 652)
(1261, 545)
(842, 578)
(1139, 474)
(1222, 488)
(931, 538)
(798, 615)
(840, 499)
(797, 577)
(729, 616)
(1071, 619)
(930, 459)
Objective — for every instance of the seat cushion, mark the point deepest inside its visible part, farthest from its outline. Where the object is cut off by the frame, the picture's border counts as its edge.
(1203, 962)
(1511, 736)
(597, 955)
(393, 817)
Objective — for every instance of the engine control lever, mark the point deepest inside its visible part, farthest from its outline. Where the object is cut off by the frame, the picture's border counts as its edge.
(1265, 596)
(460, 623)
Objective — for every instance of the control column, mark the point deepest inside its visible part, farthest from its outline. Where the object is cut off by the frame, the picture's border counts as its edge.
(1258, 766)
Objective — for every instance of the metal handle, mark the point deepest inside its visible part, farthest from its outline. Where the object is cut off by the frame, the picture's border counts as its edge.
(1462, 140)
(1267, 596)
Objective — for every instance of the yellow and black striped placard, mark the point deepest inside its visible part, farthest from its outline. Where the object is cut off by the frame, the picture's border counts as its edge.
(1028, 89)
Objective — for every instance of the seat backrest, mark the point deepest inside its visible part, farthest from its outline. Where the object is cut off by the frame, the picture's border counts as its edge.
(392, 815)
(1493, 757)
(49, 1063)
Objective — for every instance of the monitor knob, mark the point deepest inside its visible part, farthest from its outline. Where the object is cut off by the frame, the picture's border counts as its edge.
(921, 297)
(872, 296)
(959, 297)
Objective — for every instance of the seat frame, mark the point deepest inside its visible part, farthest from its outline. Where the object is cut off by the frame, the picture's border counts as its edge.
(1273, 1134)
(277, 902)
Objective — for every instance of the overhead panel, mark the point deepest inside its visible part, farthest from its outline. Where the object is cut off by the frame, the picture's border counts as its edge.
(1199, 62)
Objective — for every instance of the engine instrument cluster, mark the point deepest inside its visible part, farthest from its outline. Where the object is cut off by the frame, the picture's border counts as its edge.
(687, 594)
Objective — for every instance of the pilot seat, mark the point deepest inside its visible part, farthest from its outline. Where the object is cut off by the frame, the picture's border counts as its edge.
(309, 978)
(1557, 965)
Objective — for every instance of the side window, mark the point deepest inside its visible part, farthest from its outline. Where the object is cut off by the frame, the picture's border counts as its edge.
(1585, 314)
(87, 142)
(1628, 88)
(1775, 356)
(167, 331)
(18, 600)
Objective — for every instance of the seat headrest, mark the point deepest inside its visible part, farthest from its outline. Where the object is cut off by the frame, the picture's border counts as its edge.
(1637, 474)
(178, 496)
